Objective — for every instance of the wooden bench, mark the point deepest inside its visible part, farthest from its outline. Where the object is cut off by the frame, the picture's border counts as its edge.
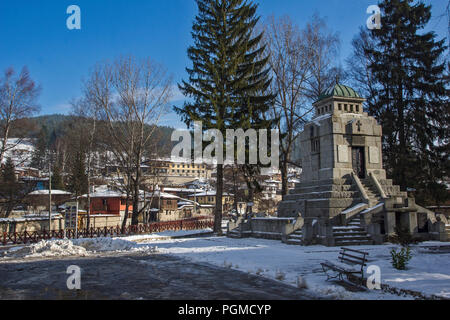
(352, 263)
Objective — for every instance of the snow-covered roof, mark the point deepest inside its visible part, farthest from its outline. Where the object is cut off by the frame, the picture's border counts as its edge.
(163, 195)
(106, 194)
(208, 194)
(185, 190)
(46, 192)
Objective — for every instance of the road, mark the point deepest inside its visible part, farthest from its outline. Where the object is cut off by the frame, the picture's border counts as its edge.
(135, 277)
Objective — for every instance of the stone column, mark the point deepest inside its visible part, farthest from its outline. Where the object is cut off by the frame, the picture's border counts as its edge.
(389, 223)
(308, 231)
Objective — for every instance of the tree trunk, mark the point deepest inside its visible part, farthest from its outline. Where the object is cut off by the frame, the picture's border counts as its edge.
(125, 218)
(135, 216)
(4, 142)
(88, 217)
(219, 197)
(284, 178)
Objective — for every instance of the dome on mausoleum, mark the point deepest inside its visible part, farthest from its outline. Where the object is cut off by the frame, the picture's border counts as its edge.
(339, 90)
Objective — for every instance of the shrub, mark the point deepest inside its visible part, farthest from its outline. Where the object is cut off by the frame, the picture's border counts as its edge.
(401, 258)
(402, 237)
(280, 275)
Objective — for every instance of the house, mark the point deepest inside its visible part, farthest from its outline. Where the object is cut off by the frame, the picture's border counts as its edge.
(208, 198)
(25, 172)
(38, 200)
(109, 202)
(170, 167)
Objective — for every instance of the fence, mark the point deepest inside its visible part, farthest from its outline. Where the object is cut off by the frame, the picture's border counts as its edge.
(36, 236)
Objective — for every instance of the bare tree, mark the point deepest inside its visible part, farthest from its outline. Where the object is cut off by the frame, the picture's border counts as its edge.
(18, 95)
(86, 126)
(131, 95)
(325, 45)
(302, 62)
(358, 66)
(291, 59)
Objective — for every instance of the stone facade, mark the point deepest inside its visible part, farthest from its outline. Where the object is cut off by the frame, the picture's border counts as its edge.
(344, 196)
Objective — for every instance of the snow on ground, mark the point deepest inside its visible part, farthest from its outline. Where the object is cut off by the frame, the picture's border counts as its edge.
(57, 248)
(78, 247)
(167, 235)
(427, 273)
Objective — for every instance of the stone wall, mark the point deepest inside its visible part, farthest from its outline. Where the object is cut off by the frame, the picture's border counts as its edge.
(30, 225)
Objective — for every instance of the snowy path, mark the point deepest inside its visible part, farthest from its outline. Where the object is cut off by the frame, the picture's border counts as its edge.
(138, 276)
(427, 273)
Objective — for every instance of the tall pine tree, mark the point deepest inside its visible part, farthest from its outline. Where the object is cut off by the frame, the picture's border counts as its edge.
(57, 178)
(411, 96)
(229, 79)
(41, 145)
(78, 177)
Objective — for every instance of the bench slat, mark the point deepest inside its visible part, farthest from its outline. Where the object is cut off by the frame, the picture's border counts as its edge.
(353, 261)
(362, 259)
(357, 251)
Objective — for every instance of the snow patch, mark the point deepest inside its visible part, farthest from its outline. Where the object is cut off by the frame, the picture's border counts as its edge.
(111, 245)
(56, 248)
(79, 247)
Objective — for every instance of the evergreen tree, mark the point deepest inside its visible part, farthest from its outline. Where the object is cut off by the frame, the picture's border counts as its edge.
(57, 179)
(410, 96)
(40, 149)
(229, 77)
(78, 178)
(9, 187)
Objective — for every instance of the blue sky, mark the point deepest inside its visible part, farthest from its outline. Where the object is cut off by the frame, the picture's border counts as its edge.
(34, 33)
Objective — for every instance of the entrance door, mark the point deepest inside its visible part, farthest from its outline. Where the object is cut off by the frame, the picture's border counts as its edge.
(359, 163)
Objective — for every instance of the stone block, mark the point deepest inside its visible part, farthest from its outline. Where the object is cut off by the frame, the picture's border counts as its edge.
(374, 155)
(343, 154)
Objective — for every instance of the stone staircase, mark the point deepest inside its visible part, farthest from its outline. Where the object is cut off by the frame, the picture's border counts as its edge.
(352, 235)
(295, 238)
(235, 233)
(330, 197)
(372, 192)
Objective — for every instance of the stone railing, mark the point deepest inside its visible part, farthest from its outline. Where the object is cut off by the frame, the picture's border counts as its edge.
(378, 186)
(360, 187)
(291, 228)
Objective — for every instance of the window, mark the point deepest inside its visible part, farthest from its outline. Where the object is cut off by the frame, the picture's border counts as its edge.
(315, 145)
(340, 107)
(351, 108)
(345, 107)
(357, 108)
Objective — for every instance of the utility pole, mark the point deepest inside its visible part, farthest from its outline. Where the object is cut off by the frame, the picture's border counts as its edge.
(49, 196)
(159, 204)
(195, 201)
